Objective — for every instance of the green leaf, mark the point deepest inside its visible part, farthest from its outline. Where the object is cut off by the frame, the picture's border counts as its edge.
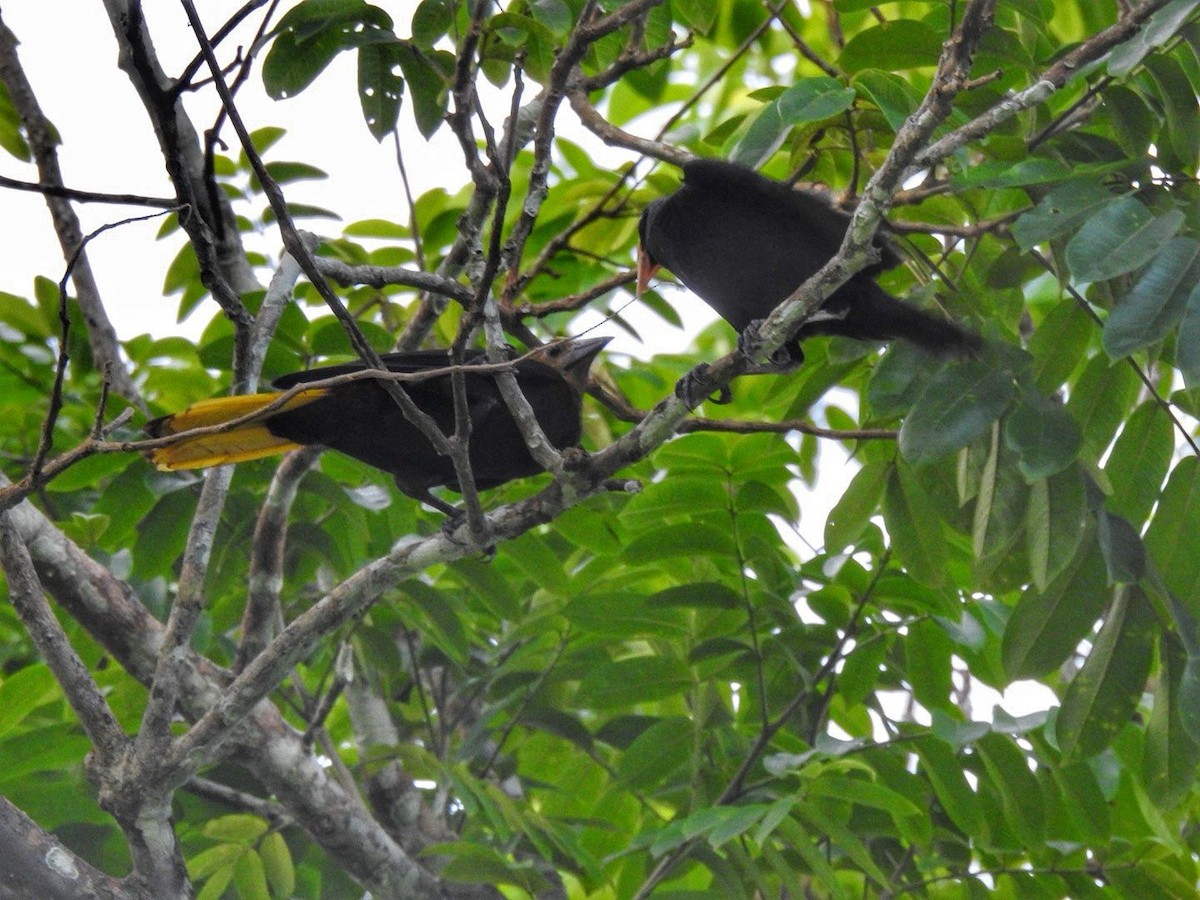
(431, 20)
(555, 15)
(1047, 626)
(639, 679)
(1061, 211)
(250, 878)
(1139, 462)
(850, 515)
(1058, 345)
(23, 692)
(1162, 25)
(277, 863)
(238, 828)
(1099, 401)
(893, 95)
(1187, 347)
(1183, 116)
(946, 774)
(380, 88)
(927, 653)
(696, 594)
(915, 527)
(1170, 539)
(700, 15)
(892, 46)
(957, 407)
(1171, 755)
(1045, 436)
(1121, 237)
(1151, 310)
(426, 86)
(1001, 173)
(1124, 552)
(681, 539)
(657, 752)
(1020, 793)
(1106, 690)
(311, 34)
(808, 100)
(1054, 524)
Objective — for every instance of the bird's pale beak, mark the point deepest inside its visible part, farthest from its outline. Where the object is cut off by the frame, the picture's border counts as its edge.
(646, 267)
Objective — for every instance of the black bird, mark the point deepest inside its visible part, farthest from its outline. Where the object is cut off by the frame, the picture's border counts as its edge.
(743, 243)
(360, 419)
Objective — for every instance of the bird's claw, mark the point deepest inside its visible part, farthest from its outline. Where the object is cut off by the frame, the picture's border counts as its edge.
(450, 526)
(786, 359)
(696, 386)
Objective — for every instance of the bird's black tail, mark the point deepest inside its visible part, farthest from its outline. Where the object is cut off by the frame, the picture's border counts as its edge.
(875, 315)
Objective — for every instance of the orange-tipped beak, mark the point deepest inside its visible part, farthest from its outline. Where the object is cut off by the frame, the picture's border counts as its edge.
(646, 267)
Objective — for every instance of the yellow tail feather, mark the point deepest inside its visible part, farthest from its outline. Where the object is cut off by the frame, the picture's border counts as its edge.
(249, 441)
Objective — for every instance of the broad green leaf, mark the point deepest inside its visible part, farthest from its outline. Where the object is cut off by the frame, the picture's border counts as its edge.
(277, 863)
(1084, 800)
(1106, 690)
(1044, 435)
(250, 878)
(696, 594)
(894, 96)
(1047, 626)
(845, 839)
(1187, 347)
(1121, 237)
(639, 679)
(657, 752)
(1150, 37)
(426, 86)
(681, 539)
(1171, 538)
(1124, 552)
(1058, 345)
(311, 34)
(1139, 462)
(205, 863)
(1000, 173)
(1060, 211)
(1054, 524)
(808, 100)
(431, 20)
(892, 46)
(239, 828)
(1171, 755)
(23, 692)
(623, 616)
(380, 88)
(1020, 793)
(915, 527)
(946, 774)
(957, 407)
(806, 844)
(698, 14)
(1000, 508)
(1149, 312)
(1183, 116)
(1099, 401)
(927, 661)
(850, 515)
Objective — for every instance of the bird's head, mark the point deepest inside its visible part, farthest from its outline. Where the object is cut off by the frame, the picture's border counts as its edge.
(572, 357)
(647, 265)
